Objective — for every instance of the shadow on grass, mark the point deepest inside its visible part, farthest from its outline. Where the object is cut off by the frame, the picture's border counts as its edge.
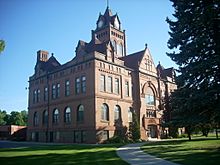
(60, 155)
(57, 147)
(195, 152)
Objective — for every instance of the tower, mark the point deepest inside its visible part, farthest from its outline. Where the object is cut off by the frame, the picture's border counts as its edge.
(42, 56)
(108, 29)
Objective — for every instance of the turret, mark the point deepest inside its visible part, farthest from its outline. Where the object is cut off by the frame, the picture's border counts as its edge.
(42, 56)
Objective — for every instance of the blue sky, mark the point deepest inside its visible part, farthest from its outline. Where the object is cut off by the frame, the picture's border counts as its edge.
(56, 26)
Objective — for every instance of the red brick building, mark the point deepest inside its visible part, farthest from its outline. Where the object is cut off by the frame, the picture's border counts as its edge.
(91, 98)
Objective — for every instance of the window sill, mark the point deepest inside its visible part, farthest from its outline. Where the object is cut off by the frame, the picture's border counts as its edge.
(104, 121)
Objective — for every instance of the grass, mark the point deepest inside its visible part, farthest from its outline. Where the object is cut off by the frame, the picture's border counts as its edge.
(196, 152)
(60, 155)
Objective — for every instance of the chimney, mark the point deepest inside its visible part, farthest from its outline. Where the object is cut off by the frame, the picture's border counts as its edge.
(42, 55)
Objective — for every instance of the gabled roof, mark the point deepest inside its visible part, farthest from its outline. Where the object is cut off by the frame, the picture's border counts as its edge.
(50, 64)
(94, 45)
(165, 72)
(134, 59)
(99, 47)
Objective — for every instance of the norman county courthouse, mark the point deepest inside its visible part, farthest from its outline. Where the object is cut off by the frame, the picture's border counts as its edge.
(91, 98)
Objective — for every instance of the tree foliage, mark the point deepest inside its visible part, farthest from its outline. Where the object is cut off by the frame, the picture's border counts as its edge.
(134, 128)
(2, 117)
(2, 45)
(14, 118)
(194, 37)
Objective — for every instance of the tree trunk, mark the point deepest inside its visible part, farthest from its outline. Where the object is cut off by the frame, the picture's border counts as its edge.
(189, 136)
(216, 132)
(188, 130)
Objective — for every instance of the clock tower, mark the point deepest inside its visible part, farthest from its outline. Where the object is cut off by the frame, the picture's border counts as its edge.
(109, 30)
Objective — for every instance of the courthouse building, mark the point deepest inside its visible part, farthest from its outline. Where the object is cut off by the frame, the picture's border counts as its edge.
(93, 96)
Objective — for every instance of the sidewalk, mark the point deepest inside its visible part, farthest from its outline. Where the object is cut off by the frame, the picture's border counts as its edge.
(132, 154)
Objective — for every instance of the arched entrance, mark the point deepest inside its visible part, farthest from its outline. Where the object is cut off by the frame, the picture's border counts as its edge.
(152, 131)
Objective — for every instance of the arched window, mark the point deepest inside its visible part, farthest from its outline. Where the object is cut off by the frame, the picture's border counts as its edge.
(80, 113)
(45, 117)
(120, 49)
(67, 115)
(149, 97)
(130, 115)
(117, 113)
(55, 116)
(36, 119)
(104, 112)
(114, 45)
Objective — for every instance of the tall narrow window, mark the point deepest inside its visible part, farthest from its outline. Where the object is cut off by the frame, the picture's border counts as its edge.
(83, 79)
(34, 96)
(55, 116)
(149, 97)
(36, 119)
(45, 117)
(58, 91)
(38, 95)
(104, 112)
(120, 49)
(126, 88)
(45, 94)
(109, 84)
(77, 85)
(80, 113)
(54, 91)
(130, 115)
(148, 65)
(67, 115)
(102, 83)
(117, 113)
(67, 88)
(114, 45)
(116, 85)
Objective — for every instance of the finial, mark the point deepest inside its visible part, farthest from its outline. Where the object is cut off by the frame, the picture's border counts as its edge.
(52, 54)
(146, 45)
(107, 3)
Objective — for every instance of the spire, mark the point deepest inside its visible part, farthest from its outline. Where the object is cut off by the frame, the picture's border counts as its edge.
(108, 12)
(107, 3)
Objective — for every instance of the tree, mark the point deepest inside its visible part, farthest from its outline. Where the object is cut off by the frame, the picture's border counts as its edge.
(134, 128)
(2, 117)
(194, 37)
(2, 45)
(24, 115)
(16, 118)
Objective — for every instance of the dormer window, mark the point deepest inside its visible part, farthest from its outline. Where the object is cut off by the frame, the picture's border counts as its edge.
(100, 24)
(116, 23)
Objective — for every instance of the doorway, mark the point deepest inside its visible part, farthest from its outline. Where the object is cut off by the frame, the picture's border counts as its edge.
(152, 131)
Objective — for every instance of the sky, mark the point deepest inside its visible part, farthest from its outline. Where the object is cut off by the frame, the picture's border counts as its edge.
(56, 26)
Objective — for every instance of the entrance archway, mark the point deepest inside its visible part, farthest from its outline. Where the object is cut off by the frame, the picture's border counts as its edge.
(152, 131)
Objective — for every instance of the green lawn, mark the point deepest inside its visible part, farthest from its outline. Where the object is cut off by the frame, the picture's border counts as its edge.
(60, 155)
(196, 152)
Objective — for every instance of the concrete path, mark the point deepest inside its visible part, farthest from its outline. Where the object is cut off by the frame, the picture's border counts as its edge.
(132, 154)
